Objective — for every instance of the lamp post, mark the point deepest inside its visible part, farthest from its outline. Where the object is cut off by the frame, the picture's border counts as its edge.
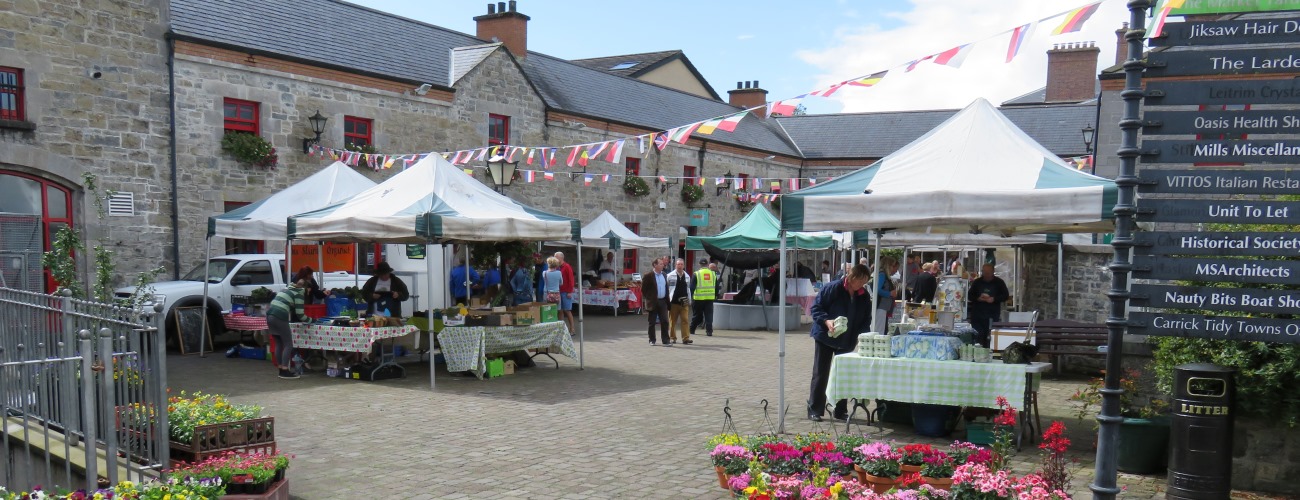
(502, 172)
(318, 126)
(1089, 134)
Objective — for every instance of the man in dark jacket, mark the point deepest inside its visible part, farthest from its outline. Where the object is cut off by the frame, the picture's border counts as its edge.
(840, 298)
(986, 296)
(926, 284)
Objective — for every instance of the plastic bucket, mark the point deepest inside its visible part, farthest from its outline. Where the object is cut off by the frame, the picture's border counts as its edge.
(314, 311)
(932, 420)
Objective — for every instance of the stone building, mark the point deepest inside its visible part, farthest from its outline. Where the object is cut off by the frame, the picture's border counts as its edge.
(262, 67)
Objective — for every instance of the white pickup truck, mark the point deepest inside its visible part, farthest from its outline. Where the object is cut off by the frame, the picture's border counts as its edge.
(236, 274)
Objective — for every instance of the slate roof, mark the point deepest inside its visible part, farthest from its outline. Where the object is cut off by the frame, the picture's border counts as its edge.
(643, 61)
(876, 135)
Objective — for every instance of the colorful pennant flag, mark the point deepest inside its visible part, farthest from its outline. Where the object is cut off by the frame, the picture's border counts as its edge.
(953, 57)
(700, 181)
(758, 183)
(783, 108)
(582, 159)
(595, 149)
(586, 180)
(794, 184)
(604, 178)
(615, 152)
(708, 127)
(573, 155)
(729, 123)
(550, 176)
(1074, 19)
(663, 179)
(661, 140)
(640, 144)
(683, 134)
(915, 62)
(530, 175)
(826, 92)
(775, 185)
(869, 80)
(481, 154)
(1018, 37)
(469, 172)
(1158, 24)
(530, 157)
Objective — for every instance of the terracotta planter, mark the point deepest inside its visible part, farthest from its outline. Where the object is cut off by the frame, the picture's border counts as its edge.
(938, 483)
(877, 484)
(908, 469)
(722, 477)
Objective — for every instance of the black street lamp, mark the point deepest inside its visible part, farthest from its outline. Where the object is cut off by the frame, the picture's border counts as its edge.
(1089, 135)
(317, 126)
(502, 171)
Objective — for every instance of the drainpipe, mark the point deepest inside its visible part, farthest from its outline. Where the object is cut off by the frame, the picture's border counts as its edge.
(171, 112)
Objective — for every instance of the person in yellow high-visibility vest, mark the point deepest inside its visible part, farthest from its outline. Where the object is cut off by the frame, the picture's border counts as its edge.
(706, 290)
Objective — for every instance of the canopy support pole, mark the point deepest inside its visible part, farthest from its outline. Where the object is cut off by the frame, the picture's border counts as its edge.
(780, 318)
(879, 325)
(468, 292)
(428, 261)
(207, 257)
(904, 277)
(578, 281)
(320, 262)
(1060, 275)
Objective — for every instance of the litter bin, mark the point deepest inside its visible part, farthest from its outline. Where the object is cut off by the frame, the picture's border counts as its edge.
(1200, 462)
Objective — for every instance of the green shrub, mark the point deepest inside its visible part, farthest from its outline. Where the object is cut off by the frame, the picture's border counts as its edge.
(1267, 374)
(250, 149)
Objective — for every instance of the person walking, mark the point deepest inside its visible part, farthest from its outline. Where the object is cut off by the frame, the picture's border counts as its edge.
(567, 287)
(703, 295)
(841, 311)
(654, 296)
(679, 307)
(287, 307)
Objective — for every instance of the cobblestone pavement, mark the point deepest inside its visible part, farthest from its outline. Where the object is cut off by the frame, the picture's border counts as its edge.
(632, 424)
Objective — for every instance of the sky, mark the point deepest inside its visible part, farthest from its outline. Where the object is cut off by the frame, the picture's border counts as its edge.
(792, 48)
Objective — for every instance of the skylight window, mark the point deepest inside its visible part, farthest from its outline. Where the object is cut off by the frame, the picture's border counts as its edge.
(624, 65)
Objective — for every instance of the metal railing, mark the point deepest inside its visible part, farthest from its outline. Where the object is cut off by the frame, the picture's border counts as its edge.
(83, 393)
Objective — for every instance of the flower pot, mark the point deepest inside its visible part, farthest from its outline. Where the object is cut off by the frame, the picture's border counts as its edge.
(908, 469)
(1142, 445)
(938, 483)
(722, 476)
(877, 484)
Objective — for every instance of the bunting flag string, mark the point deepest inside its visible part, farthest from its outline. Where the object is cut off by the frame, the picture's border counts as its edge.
(1074, 19)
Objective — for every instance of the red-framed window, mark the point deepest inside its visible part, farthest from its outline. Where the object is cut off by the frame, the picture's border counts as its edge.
(630, 255)
(498, 130)
(689, 174)
(12, 100)
(241, 116)
(358, 131)
(744, 181)
(26, 194)
(234, 246)
(633, 167)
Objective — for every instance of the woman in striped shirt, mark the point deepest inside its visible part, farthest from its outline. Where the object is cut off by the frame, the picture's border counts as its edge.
(286, 307)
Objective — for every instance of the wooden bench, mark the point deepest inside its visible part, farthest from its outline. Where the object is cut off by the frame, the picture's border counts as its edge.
(1058, 337)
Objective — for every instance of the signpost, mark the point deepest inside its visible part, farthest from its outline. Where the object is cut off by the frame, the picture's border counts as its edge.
(1280, 272)
(1243, 61)
(1219, 181)
(1219, 211)
(1221, 151)
(1232, 124)
(1216, 299)
(1286, 244)
(1214, 327)
(1234, 32)
(1284, 91)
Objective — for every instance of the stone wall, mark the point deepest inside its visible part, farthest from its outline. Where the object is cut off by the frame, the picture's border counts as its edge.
(1085, 282)
(96, 93)
(1265, 456)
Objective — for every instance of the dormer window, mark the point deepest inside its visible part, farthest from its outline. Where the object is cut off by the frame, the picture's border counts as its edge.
(624, 65)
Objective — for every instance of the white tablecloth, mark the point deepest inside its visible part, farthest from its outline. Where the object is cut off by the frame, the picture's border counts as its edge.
(466, 347)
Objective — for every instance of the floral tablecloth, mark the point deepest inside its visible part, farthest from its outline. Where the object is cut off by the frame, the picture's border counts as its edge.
(343, 338)
(245, 323)
(610, 298)
(466, 347)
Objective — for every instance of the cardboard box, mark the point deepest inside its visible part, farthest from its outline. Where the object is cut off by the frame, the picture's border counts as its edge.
(509, 368)
(527, 316)
(489, 319)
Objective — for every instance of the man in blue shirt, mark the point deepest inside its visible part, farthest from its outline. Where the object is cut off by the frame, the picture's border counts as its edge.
(459, 292)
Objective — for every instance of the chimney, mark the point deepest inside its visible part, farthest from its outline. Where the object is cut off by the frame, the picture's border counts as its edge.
(748, 95)
(1121, 45)
(505, 26)
(1072, 72)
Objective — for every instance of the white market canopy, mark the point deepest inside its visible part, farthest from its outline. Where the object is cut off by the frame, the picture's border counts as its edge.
(892, 239)
(605, 227)
(431, 201)
(974, 173)
(266, 219)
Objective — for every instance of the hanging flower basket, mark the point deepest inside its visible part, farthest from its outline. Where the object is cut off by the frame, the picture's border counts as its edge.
(250, 149)
(635, 186)
(744, 200)
(692, 193)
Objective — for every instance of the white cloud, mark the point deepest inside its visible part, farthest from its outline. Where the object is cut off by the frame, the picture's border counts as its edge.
(932, 26)
(744, 37)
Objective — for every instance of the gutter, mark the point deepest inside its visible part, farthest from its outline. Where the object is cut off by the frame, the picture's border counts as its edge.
(171, 112)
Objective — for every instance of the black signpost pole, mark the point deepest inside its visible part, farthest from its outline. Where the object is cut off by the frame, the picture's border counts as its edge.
(1104, 484)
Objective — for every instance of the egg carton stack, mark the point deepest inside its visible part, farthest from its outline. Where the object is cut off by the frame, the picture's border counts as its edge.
(975, 353)
(874, 345)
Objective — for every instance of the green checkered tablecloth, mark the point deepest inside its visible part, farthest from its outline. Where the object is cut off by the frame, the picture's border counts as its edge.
(466, 347)
(953, 383)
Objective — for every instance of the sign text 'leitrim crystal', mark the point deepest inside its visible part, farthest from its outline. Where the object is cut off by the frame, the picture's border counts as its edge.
(1236, 31)
(1217, 327)
(1216, 299)
(1285, 91)
(1279, 244)
(1219, 181)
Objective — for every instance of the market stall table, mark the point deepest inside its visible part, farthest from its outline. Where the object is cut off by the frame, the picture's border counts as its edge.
(951, 383)
(349, 339)
(608, 297)
(246, 325)
(466, 347)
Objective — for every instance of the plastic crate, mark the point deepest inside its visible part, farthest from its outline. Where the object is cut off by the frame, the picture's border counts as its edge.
(496, 367)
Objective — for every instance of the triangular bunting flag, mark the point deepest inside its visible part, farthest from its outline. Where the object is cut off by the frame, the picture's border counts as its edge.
(915, 62)
(729, 123)
(586, 180)
(708, 127)
(615, 152)
(1074, 19)
(783, 108)
(550, 176)
(530, 175)
(869, 80)
(953, 57)
(1018, 37)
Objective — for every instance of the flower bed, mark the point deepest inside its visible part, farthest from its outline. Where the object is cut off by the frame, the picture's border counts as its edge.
(204, 425)
(814, 466)
(174, 488)
(242, 473)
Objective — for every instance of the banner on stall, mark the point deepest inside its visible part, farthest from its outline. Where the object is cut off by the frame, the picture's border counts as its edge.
(338, 257)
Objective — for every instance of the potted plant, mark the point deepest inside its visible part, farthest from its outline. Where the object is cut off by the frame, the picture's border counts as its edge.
(250, 149)
(692, 193)
(879, 465)
(261, 295)
(1144, 432)
(634, 185)
(936, 470)
(914, 456)
(744, 200)
(729, 460)
(781, 459)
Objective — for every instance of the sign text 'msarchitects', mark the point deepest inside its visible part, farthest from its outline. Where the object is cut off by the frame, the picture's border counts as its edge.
(1213, 123)
(1219, 181)
(1219, 211)
(1220, 151)
(1237, 31)
(1286, 272)
(1216, 299)
(1280, 244)
(1253, 61)
(1214, 327)
(1284, 91)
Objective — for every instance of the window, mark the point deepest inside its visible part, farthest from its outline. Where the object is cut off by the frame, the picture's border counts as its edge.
(234, 246)
(689, 174)
(498, 130)
(23, 194)
(357, 131)
(11, 94)
(633, 167)
(254, 272)
(744, 181)
(629, 256)
(624, 65)
(241, 116)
